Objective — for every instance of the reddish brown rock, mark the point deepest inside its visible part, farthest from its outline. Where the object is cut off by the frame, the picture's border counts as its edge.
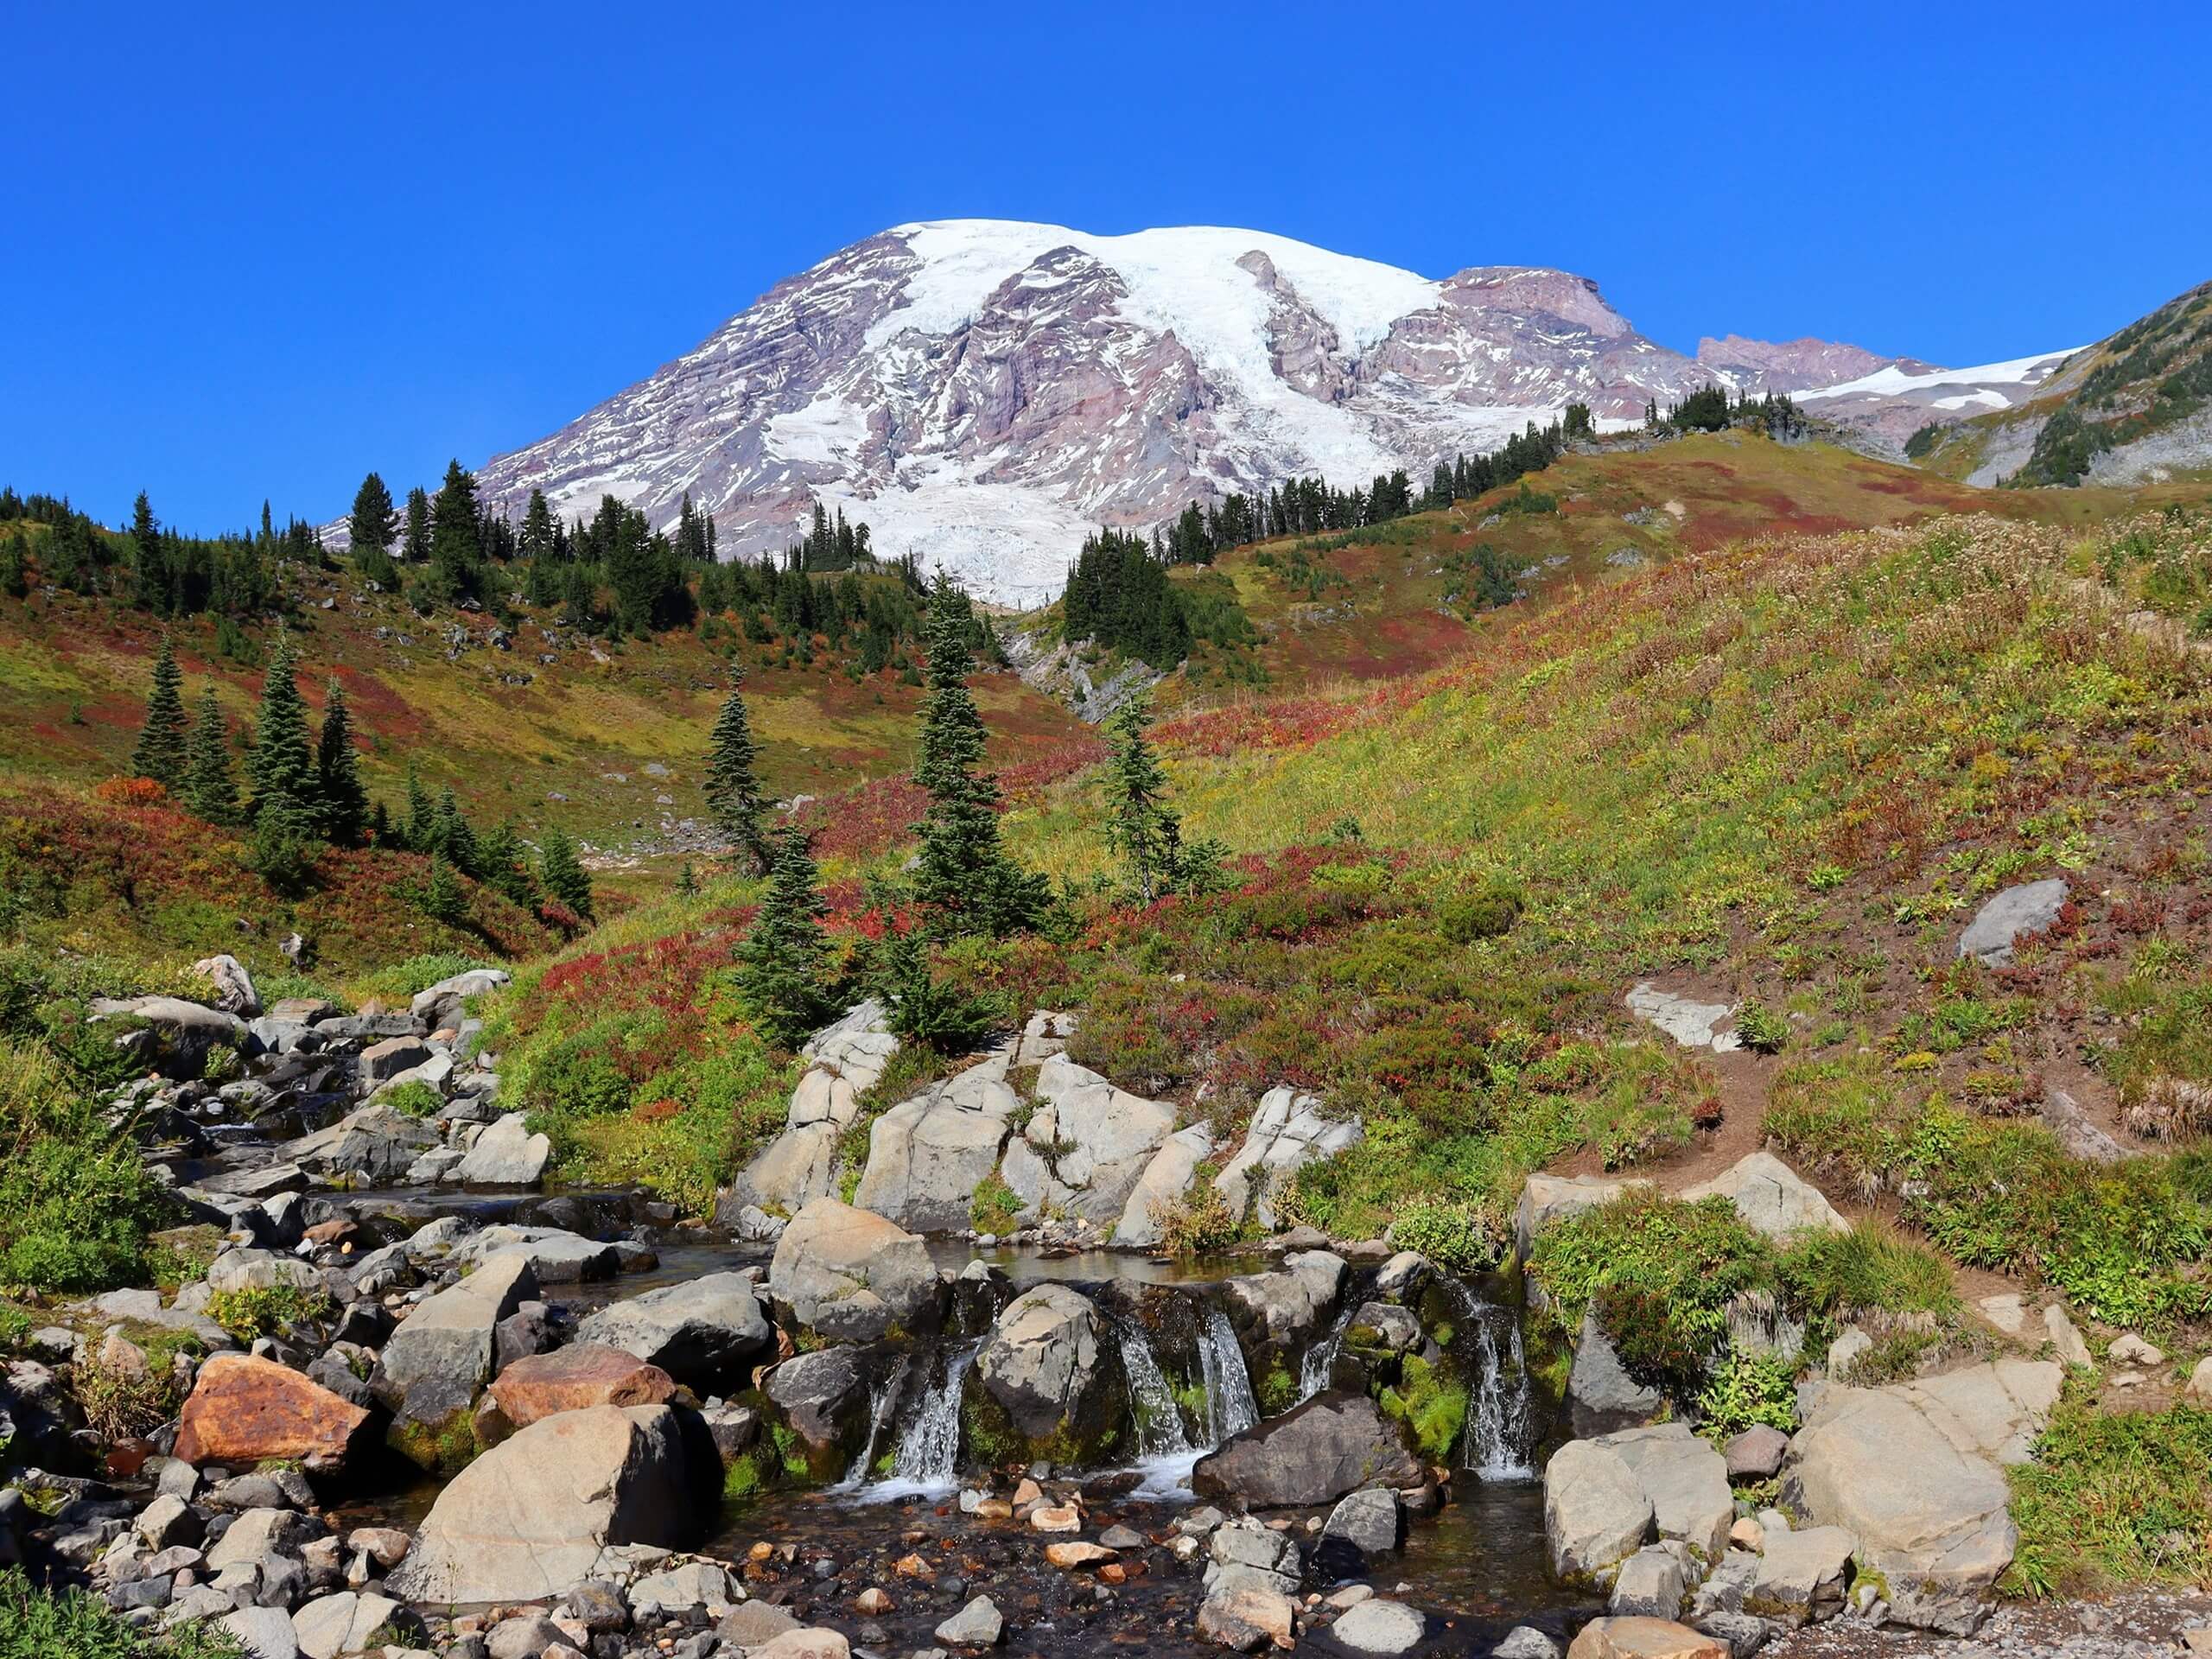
(1644, 1638)
(244, 1410)
(569, 1379)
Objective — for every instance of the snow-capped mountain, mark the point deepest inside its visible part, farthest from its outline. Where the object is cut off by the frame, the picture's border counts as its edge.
(982, 392)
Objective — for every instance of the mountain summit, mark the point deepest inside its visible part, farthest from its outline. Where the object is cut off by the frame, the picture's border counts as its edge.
(983, 390)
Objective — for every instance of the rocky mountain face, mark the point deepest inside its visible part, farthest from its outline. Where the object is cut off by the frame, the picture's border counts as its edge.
(983, 391)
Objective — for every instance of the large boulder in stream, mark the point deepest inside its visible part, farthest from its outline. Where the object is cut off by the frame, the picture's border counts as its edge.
(705, 1332)
(853, 1276)
(373, 1146)
(823, 1399)
(1291, 1303)
(532, 1518)
(242, 1411)
(1312, 1454)
(1045, 1380)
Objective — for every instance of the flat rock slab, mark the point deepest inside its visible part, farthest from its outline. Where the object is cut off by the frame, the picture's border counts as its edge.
(1380, 1627)
(1688, 1021)
(569, 1379)
(1771, 1198)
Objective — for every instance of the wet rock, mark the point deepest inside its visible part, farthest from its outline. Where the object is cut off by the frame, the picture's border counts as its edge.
(1073, 1557)
(1247, 1617)
(1041, 1364)
(802, 1643)
(1385, 1328)
(1313, 1454)
(531, 1518)
(569, 1379)
(1287, 1132)
(1120, 1537)
(2013, 915)
(506, 1153)
(755, 1624)
(704, 1332)
(244, 1410)
(852, 1275)
(1291, 1302)
(449, 1335)
(1372, 1522)
(1526, 1641)
(1402, 1275)
(976, 1626)
(1770, 1197)
(823, 1398)
(694, 1587)
(1380, 1627)
(1601, 1396)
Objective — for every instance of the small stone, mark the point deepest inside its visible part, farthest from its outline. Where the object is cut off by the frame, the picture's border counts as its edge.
(2008, 1313)
(1747, 1533)
(1056, 1517)
(1380, 1627)
(1526, 1641)
(2066, 1341)
(2131, 1350)
(976, 1626)
(1120, 1537)
(1756, 1454)
(1072, 1557)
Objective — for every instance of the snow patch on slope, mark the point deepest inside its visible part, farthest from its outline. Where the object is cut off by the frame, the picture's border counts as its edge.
(1894, 383)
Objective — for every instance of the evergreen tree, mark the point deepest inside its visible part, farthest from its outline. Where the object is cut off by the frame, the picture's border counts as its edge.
(1140, 827)
(779, 961)
(733, 788)
(374, 524)
(16, 566)
(344, 803)
(154, 589)
(442, 900)
(281, 772)
(161, 752)
(210, 788)
(456, 839)
(421, 833)
(415, 543)
(500, 850)
(964, 881)
(457, 550)
(687, 882)
(562, 876)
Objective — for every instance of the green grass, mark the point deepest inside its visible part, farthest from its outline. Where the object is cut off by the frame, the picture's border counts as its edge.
(2114, 1501)
(74, 1625)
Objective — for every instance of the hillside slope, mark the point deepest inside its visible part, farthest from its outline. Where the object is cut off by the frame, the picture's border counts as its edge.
(2135, 407)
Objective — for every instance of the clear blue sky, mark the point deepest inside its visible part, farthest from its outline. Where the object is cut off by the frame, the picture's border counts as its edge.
(255, 250)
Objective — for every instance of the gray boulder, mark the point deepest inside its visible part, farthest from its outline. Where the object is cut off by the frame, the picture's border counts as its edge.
(1042, 1359)
(449, 1336)
(978, 1625)
(261, 1632)
(1651, 1584)
(373, 1145)
(1165, 1179)
(2010, 916)
(1287, 1132)
(346, 1622)
(927, 1155)
(824, 1397)
(852, 1275)
(1601, 1396)
(1770, 1197)
(1801, 1575)
(1372, 1521)
(704, 1332)
(1380, 1627)
(1311, 1455)
(1086, 1144)
(1548, 1198)
(1291, 1302)
(556, 1255)
(1596, 1511)
(1687, 1482)
(439, 1005)
(533, 1517)
(506, 1153)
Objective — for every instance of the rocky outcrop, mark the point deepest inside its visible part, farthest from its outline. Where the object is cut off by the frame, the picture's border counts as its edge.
(705, 1332)
(799, 1166)
(1548, 1198)
(1162, 1186)
(243, 1410)
(1085, 1146)
(504, 1153)
(1312, 1454)
(1601, 1396)
(928, 1154)
(1692, 1024)
(532, 1518)
(1770, 1197)
(1288, 1131)
(1913, 1473)
(853, 1276)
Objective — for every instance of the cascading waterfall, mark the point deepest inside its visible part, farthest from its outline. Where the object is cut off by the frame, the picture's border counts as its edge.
(1160, 1420)
(882, 1401)
(929, 1447)
(1499, 1444)
(1320, 1359)
(1230, 1409)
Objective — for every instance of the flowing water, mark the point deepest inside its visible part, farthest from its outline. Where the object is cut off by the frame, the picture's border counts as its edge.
(1320, 1359)
(882, 1406)
(925, 1460)
(1230, 1409)
(1500, 1441)
(1159, 1418)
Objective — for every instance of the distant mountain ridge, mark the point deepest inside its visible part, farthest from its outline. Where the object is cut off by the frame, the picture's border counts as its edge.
(982, 392)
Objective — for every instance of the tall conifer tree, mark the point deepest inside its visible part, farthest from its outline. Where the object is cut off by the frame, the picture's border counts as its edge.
(374, 524)
(344, 803)
(281, 772)
(211, 787)
(733, 787)
(779, 961)
(562, 874)
(161, 752)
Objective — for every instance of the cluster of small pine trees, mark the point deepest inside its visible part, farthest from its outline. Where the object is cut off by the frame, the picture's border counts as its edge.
(149, 565)
(303, 790)
(964, 882)
(1709, 410)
